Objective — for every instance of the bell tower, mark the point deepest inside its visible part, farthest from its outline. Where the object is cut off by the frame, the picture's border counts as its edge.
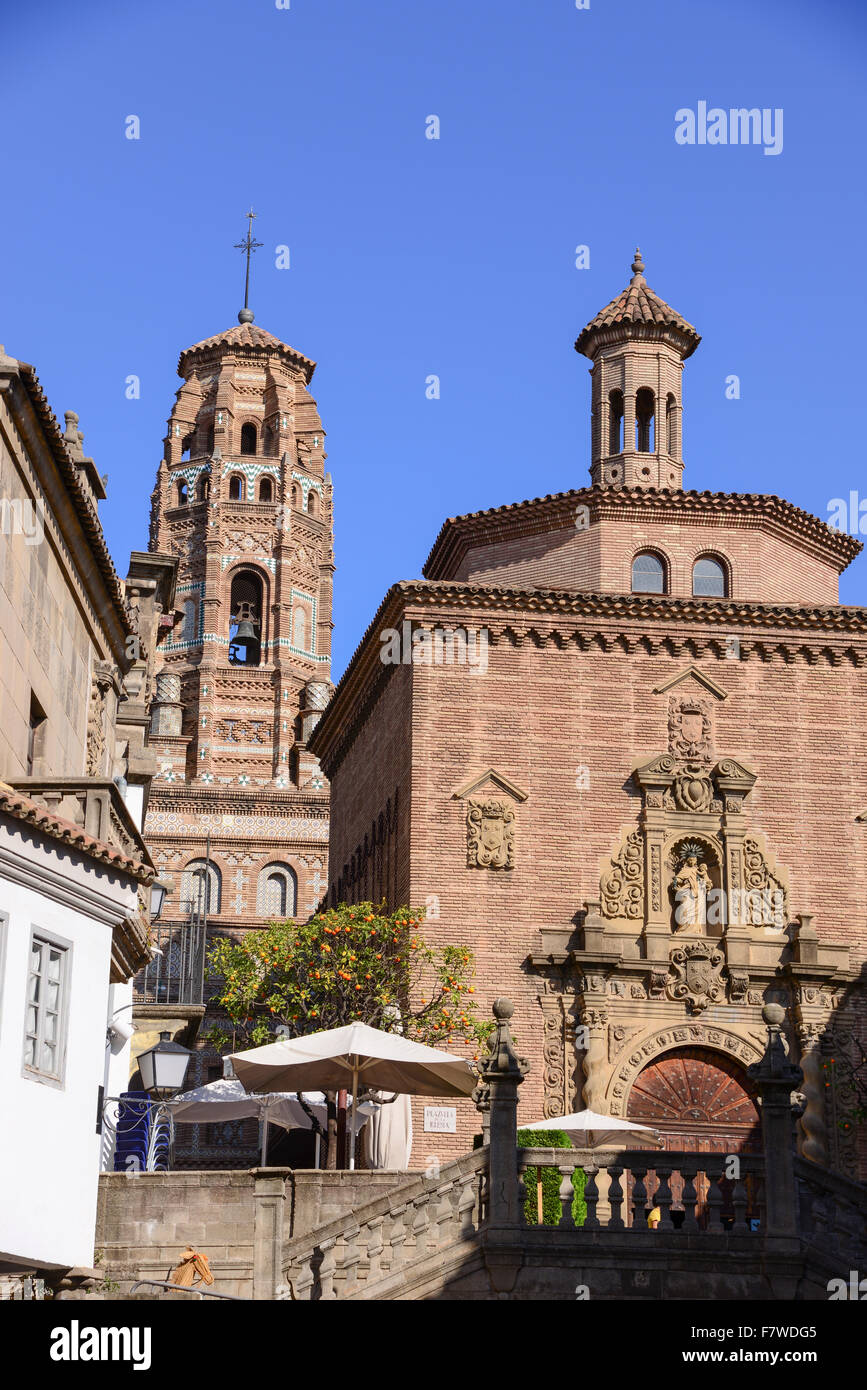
(243, 499)
(237, 822)
(638, 345)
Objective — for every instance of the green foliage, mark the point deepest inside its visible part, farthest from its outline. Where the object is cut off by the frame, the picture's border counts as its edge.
(352, 963)
(551, 1209)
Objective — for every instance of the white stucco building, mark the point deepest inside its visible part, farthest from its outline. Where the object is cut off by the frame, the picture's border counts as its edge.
(71, 923)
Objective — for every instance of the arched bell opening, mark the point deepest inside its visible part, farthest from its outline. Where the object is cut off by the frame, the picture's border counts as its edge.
(645, 421)
(245, 620)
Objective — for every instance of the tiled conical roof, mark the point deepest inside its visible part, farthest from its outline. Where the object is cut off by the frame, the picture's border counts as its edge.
(247, 334)
(637, 307)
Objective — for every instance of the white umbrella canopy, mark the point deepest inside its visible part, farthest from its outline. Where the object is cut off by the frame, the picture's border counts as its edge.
(346, 1057)
(589, 1129)
(226, 1099)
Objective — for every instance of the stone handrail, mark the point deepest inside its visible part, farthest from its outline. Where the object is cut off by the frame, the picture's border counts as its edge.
(832, 1210)
(345, 1258)
(672, 1185)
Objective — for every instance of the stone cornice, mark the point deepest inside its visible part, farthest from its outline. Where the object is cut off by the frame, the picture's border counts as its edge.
(218, 800)
(611, 621)
(557, 511)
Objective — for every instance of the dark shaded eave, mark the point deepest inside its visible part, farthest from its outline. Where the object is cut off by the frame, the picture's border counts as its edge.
(84, 510)
(557, 510)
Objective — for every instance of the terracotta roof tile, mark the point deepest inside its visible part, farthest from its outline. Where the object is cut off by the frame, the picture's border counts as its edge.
(557, 509)
(638, 304)
(22, 808)
(248, 335)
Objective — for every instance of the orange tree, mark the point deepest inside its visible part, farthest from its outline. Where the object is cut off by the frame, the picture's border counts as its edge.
(352, 963)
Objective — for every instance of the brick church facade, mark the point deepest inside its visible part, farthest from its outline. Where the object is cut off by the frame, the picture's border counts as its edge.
(621, 754)
(238, 816)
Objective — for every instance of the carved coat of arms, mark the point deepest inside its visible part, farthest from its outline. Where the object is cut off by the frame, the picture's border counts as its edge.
(490, 835)
(697, 975)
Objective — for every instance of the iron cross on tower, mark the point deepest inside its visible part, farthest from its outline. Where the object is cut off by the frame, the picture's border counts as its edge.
(248, 245)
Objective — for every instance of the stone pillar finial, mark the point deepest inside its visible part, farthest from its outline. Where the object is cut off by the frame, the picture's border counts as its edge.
(775, 1077)
(501, 1074)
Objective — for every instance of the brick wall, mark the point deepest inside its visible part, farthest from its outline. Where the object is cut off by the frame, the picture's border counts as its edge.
(763, 567)
(552, 702)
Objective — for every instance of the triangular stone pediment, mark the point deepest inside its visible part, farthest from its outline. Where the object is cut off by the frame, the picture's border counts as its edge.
(693, 673)
(489, 782)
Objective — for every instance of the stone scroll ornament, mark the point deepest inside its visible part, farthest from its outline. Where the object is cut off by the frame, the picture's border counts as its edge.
(96, 740)
(490, 835)
(759, 880)
(622, 887)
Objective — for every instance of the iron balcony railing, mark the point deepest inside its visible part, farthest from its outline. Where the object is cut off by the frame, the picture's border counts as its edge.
(176, 975)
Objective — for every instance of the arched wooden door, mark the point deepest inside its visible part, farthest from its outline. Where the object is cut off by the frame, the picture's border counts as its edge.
(701, 1101)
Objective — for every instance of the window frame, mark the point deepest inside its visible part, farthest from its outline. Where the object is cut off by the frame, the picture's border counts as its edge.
(29, 1071)
(666, 572)
(726, 574)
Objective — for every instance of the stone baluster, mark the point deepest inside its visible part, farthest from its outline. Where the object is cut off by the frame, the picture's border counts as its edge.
(740, 1202)
(688, 1171)
(339, 1272)
(301, 1280)
(421, 1227)
(639, 1200)
(776, 1077)
(567, 1193)
(397, 1238)
(713, 1168)
(327, 1270)
(615, 1197)
(374, 1249)
(467, 1208)
(591, 1197)
(662, 1196)
(445, 1212)
(352, 1253)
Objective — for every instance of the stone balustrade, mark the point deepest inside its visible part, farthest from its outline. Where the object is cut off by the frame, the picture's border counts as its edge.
(371, 1253)
(691, 1190)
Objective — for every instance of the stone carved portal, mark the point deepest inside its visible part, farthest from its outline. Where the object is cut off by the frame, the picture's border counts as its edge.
(699, 1099)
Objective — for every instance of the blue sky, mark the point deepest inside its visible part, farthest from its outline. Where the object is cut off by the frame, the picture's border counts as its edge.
(454, 257)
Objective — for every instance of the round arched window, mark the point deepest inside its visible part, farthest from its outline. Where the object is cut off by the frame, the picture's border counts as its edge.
(648, 574)
(708, 578)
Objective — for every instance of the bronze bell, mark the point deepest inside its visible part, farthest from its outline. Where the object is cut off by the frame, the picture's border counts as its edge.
(246, 638)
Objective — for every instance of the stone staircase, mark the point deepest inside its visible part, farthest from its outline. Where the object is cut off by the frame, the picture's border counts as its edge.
(418, 1237)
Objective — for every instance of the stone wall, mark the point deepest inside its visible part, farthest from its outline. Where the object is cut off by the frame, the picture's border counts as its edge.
(144, 1222)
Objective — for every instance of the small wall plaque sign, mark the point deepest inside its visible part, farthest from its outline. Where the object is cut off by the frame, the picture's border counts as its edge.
(440, 1119)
